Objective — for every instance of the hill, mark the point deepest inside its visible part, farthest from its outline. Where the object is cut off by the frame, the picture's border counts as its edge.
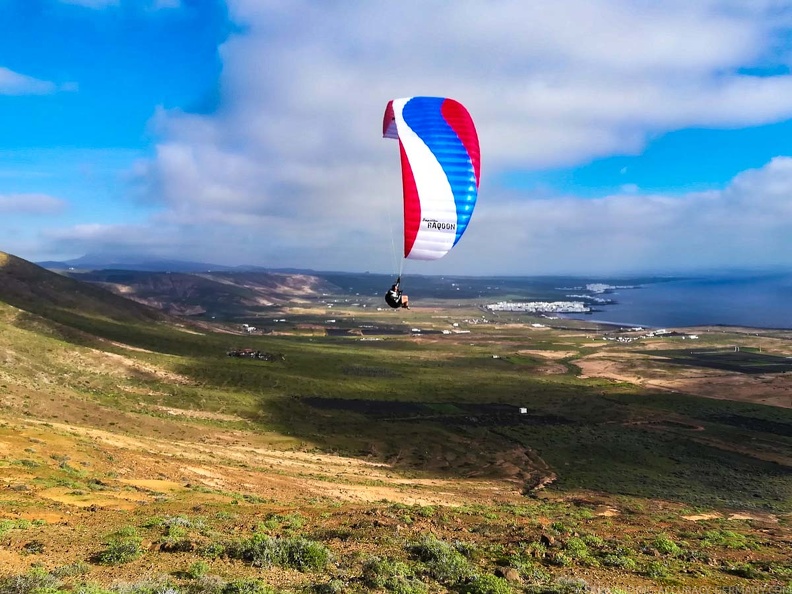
(135, 456)
(219, 294)
(36, 290)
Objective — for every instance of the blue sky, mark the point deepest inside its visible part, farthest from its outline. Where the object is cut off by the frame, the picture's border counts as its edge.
(618, 136)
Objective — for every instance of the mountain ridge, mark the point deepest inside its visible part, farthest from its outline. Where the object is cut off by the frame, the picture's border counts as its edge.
(35, 289)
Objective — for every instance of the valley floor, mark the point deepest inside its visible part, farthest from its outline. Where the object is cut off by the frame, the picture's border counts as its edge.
(124, 464)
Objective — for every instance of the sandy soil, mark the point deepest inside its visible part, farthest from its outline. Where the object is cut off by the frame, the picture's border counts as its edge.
(649, 372)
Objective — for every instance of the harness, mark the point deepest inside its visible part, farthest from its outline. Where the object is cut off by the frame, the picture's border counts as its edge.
(393, 298)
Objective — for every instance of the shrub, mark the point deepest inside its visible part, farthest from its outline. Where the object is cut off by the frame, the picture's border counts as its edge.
(656, 570)
(76, 568)
(198, 569)
(303, 554)
(593, 540)
(175, 539)
(331, 587)
(289, 522)
(726, 538)
(158, 585)
(261, 550)
(443, 562)
(119, 550)
(35, 581)
(567, 585)
(206, 585)
(393, 576)
(425, 511)
(126, 532)
(576, 548)
(665, 546)
(213, 550)
(621, 561)
(559, 558)
(560, 527)
(487, 584)
(745, 570)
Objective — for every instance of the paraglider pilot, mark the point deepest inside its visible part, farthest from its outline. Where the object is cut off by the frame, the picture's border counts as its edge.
(395, 298)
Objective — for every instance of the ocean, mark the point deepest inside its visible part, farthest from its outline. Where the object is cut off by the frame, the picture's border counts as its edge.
(759, 301)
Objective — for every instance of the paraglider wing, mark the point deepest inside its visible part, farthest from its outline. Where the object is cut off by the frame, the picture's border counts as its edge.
(441, 169)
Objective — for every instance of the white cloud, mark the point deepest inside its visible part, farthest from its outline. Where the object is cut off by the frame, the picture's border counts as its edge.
(748, 224)
(40, 204)
(291, 169)
(13, 83)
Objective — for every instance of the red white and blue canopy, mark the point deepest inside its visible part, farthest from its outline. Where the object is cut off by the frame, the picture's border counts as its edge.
(441, 169)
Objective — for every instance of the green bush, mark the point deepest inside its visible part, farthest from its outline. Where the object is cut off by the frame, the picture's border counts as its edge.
(261, 550)
(393, 576)
(176, 539)
(745, 570)
(443, 561)
(198, 569)
(206, 584)
(213, 550)
(656, 570)
(726, 538)
(35, 581)
(568, 585)
(156, 585)
(559, 558)
(119, 550)
(303, 554)
(126, 532)
(331, 587)
(665, 546)
(288, 522)
(487, 584)
(576, 548)
(76, 568)
(621, 561)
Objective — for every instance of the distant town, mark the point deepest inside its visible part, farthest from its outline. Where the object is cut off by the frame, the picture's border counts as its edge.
(540, 306)
(581, 303)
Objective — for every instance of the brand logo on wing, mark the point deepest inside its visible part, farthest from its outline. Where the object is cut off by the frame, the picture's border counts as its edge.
(435, 224)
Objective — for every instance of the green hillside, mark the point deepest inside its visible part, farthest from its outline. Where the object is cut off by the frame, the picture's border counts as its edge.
(134, 451)
(39, 291)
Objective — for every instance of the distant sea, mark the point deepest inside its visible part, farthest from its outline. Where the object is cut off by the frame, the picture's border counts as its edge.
(760, 301)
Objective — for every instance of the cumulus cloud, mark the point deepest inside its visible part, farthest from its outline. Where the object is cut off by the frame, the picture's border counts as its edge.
(40, 204)
(291, 169)
(748, 224)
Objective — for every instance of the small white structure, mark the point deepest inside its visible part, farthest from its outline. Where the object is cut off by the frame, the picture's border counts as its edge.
(523, 411)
